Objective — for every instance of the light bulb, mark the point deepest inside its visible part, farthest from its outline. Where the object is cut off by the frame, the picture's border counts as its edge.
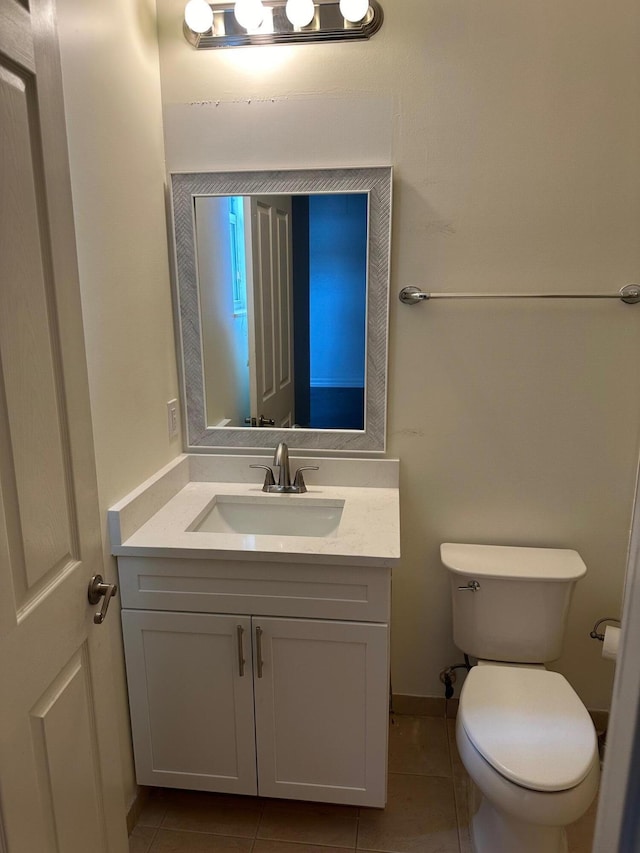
(300, 12)
(354, 10)
(198, 15)
(249, 13)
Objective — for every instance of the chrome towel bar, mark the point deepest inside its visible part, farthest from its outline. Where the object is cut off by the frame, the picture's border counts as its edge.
(630, 294)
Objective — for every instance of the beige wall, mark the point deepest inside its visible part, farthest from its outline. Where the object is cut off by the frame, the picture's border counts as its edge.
(112, 98)
(513, 131)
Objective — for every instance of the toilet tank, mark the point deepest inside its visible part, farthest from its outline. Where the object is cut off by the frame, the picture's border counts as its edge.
(511, 604)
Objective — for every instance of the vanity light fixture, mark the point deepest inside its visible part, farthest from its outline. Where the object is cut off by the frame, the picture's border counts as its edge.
(354, 10)
(248, 13)
(198, 16)
(301, 12)
(254, 22)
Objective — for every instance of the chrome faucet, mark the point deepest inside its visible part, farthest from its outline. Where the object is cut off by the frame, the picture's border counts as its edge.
(284, 485)
(281, 459)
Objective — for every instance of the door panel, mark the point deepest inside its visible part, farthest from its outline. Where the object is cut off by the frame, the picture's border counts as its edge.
(269, 292)
(264, 290)
(62, 724)
(60, 777)
(53, 798)
(191, 708)
(283, 276)
(36, 483)
(321, 710)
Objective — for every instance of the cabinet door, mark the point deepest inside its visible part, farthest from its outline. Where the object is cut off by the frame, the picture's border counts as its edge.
(191, 700)
(321, 695)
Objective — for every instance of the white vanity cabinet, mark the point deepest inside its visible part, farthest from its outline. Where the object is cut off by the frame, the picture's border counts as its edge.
(258, 677)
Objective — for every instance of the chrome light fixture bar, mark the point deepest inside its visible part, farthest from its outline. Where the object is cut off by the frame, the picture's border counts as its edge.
(328, 24)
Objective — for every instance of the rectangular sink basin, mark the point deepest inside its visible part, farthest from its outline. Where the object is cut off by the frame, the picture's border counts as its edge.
(281, 515)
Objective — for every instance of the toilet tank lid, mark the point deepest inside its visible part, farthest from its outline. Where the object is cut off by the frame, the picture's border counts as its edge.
(529, 724)
(505, 561)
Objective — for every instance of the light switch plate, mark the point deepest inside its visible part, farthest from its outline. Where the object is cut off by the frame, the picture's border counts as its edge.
(172, 419)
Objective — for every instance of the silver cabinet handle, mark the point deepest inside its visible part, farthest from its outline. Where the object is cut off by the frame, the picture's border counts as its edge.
(97, 590)
(240, 632)
(259, 650)
(472, 586)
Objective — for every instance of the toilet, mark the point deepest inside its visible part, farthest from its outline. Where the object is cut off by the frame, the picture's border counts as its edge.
(524, 737)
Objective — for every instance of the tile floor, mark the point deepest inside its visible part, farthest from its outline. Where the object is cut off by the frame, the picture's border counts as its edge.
(427, 810)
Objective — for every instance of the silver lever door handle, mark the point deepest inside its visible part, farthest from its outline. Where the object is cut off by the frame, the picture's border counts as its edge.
(97, 590)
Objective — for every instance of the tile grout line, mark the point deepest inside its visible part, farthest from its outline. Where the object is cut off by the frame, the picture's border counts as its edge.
(156, 829)
(153, 838)
(455, 786)
(258, 822)
(453, 780)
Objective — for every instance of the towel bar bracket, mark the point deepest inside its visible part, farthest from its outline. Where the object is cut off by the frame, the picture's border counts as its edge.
(630, 294)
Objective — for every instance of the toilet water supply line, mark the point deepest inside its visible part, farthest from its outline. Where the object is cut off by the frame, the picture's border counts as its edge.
(448, 676)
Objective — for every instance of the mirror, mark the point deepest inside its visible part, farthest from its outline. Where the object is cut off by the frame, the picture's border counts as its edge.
(282, 300)
(282, 283)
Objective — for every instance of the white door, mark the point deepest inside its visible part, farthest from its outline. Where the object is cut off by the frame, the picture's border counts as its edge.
(60, 780)
(191, 699)
(321, 695)
(270, 306)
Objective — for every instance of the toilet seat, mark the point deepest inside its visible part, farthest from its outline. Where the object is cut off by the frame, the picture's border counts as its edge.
(538, 808)
(529, 725)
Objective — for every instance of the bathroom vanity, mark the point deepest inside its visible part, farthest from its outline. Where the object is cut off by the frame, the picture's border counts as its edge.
(256, 627)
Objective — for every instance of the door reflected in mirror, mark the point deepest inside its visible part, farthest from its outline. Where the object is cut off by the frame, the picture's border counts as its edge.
(283, 296)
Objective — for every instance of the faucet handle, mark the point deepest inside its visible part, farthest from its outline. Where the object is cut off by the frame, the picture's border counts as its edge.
(268, 477)
(298, 481)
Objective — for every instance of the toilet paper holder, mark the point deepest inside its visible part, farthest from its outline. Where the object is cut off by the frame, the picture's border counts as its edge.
(598, 635)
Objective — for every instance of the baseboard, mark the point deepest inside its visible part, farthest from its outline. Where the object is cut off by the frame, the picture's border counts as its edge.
(424, 706)
(133, 815)
(437, 706)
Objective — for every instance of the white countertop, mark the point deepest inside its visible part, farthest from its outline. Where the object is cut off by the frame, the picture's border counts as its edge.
(154, 521)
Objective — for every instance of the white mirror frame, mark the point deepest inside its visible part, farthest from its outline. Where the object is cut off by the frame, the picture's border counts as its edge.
(185, 187)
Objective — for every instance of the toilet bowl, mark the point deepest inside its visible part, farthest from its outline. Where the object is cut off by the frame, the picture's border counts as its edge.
(524, 736)
(528, 743)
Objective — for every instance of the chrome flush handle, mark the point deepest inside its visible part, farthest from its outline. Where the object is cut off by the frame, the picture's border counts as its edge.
(97, 590)
(472, 586)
